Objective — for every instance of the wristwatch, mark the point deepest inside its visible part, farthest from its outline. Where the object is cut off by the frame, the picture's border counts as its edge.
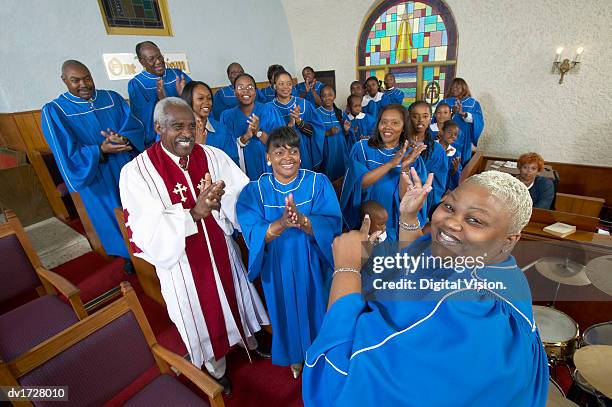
(259, 133)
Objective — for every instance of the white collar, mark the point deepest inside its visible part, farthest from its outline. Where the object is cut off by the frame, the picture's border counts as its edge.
(375, 98)
(450, 151)
(359, 116)
(434, 127)
(390, 89)
(174, 158)
(209, 126)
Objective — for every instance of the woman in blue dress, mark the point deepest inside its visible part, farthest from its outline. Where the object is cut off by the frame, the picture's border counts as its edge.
(468, 115)
(374, 168)
(289, 219)
(335, 151)
(300, 114)
(249, 124)
(209, 131)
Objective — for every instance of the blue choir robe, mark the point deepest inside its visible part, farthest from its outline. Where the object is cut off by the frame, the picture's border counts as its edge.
(362, 125)
(434, 130)
(453, 178)
(437, 163)
(142, 90)
(470, 128)
(295, 268)
(371, 105)
(385, 191)
(252, 156)
(391, 96)
(335, 151)
(72, 126)
(311, 147)
(301, 88)
(225, 98)
(456, 347)
(218, 136)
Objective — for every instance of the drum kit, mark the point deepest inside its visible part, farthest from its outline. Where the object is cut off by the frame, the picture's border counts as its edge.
(591, 352)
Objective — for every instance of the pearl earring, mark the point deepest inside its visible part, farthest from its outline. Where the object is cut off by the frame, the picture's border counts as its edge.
(269, 164)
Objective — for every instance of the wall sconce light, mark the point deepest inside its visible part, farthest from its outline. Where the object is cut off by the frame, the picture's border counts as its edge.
(563, 67)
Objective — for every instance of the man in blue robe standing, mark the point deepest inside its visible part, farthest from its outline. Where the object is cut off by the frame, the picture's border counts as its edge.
(92, 134)
(154, 83)
(225, 98)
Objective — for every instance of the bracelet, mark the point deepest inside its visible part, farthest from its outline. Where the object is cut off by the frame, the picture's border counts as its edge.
(269, 231)
(410, 227)
(346, 270)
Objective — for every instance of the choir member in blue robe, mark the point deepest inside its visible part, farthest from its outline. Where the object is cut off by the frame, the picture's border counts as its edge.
(225, 98)
(391, 94)
(208, 131)
(434, 155)
(289, 219)
(357, 125)
(92, 135)
(301, 114)
(310, 89)
(373, 96)
(541, 189)
(468, 115)
(249, 124)
(374, 168)
(470, 344)
(447, 136)
(269, 93)
(335, 151)
(154, 83)
(442, 114)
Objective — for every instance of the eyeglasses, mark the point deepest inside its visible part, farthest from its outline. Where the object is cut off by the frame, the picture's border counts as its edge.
(153, 59)
(245, 87)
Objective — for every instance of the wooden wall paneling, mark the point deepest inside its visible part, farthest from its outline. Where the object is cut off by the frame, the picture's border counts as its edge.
(582, 205)
(29, 125)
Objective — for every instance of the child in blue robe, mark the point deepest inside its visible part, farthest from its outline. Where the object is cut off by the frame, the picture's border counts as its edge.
(372, 97)
(301, 114)
(441, 115)
(144, 90)
(209, 131)
(466, 344)
(374, 168)
(391, 94)
(225, 98)
(310, 89)
(468, 115)
(249, 124)
(289, 219)
(75, 125)
(448, 135)
(357, 125)
(335, 151)
(434, 155)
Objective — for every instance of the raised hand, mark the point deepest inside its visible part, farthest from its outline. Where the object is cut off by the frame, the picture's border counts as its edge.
(209, 198)
(456, 161)
(397, 158)
(180, 85)
(253, 122)
(412, 156)
(295, 115)
(161, 92)
(201, 132)
(416, 193)
(346, 125)
(348, 244)
(113, 142)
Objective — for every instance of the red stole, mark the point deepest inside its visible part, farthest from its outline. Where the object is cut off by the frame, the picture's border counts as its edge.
(196, 247)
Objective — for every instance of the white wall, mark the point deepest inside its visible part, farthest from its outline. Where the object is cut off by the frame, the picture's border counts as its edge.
(506, 49)
(38, 35)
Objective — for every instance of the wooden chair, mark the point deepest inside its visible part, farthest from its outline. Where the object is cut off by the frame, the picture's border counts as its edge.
(21, 273)
(145, 271)
(111, 357)
(580, 205)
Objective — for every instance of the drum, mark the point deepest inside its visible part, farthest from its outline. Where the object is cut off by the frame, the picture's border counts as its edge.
(558, 331)
(584, 394)
(598, 334)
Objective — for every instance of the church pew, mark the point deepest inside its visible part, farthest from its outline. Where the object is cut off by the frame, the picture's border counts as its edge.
(581, 205)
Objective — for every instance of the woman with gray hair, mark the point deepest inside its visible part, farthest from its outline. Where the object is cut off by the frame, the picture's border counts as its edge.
(446, 321)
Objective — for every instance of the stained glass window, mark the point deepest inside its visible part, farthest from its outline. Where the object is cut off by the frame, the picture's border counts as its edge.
(145, 17)
(416, 40)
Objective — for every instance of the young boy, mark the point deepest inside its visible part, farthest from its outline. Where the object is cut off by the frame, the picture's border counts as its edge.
(378, 219)
(442, 114)
(357, 125)
(447, 136)
(392, 94)
(357, 89)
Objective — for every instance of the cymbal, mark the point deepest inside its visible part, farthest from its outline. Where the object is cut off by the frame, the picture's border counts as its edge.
(599, 272)
(556, 398)
(594, 362)
(562, 271)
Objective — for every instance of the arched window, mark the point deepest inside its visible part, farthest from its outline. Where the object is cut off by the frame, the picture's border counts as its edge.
(417, 41)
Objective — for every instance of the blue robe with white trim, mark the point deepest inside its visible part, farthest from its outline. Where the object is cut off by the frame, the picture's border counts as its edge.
(254, 152)
(385, 191)
(372, 106)
(222, 139)
(392, 96)
(269, 93)
(437, 163)
(335, 151)
(295, 268)
(72, 126)
(469, 133)
(362, 125)
(425, 348)
(301, 88)
(225, 99)
(311, 147)
(142, 90)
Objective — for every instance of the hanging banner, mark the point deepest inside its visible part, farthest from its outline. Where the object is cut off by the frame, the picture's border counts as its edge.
(125, 65)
